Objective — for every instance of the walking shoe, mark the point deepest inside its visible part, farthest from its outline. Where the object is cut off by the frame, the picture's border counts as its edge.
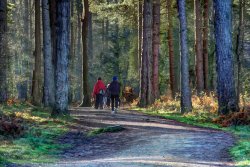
(112, 112)
(116, 110)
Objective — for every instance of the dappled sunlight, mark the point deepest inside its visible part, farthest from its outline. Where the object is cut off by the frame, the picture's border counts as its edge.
(151, 160)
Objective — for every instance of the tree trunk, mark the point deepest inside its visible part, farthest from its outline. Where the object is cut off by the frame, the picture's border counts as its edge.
(205, 43)
(171, 47)
(90, 37)
(62, 57)
(156, 47)
(240, 45)
(198, 47)
(79, 54)
(146, 59)
(3, 54)
(49, 74)
(224, 59)
(30, 18)
(37, 82)
(52, 12)
(72, 54)
(186, 103)
(139, 33)
(86, 94)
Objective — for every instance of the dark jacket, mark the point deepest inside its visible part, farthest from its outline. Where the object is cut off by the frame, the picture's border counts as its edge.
(114, 88)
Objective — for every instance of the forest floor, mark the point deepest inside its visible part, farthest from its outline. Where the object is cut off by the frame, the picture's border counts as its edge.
(145, 141)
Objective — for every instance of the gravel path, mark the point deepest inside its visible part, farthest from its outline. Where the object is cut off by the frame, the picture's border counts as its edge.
(146, 141)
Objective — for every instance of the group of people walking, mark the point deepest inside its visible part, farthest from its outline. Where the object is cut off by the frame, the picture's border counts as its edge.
(103, 94)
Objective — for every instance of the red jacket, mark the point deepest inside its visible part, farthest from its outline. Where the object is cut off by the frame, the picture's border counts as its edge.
(98, 86)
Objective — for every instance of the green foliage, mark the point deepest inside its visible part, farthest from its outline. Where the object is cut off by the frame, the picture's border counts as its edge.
(111, 129)
(38, 144)
(241, 151)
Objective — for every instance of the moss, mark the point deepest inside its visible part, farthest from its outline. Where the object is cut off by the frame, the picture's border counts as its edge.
(111, 129)
(38, 144)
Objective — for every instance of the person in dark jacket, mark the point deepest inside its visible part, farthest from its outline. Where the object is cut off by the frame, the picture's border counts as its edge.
(114, 89)
(98, 93)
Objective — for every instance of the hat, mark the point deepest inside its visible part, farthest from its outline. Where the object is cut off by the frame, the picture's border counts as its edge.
(115, 78)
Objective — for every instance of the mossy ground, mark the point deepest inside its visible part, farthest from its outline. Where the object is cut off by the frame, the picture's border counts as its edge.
(38, 143)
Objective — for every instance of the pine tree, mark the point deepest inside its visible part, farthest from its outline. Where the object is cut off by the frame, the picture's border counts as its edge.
(186, 104)
(224, 58)
(49, 77)
(37, 74)
(62, 57)
(3, 54)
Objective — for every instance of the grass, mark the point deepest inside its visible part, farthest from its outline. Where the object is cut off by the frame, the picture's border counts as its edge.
(111, 129)
(38, 143)
(203, 114)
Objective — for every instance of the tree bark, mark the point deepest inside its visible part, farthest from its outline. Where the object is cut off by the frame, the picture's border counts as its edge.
(139, 33)
(156, 48)
(37, 82)
(199, 47)
(205, 42)
(3, 54)
(224, 59)
(90, 36)
(146, 59)
(186, 103)
(171, 47)
(62, 57)
(72, 53)
(79, 54)
(49, 72)
(86, 94)
(52, 8)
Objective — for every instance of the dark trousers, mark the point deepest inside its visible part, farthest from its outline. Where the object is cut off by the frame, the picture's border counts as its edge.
(108, 101)
(114, 101)
(99, 101)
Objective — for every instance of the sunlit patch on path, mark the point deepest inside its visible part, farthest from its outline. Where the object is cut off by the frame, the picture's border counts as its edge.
(147, 141)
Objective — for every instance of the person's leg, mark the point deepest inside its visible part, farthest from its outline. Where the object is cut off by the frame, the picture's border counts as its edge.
(108, 101)
(116, 101)
(112, 102)
(96, 101)
(101, 101)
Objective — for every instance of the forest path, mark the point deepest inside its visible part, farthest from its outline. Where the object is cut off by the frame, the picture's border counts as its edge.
(146, 141)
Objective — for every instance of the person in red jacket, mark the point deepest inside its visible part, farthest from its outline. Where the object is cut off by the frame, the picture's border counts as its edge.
(98, 93)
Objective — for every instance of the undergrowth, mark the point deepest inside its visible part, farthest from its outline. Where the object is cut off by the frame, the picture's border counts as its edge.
(204, 114)
(38, 141)
(111, 129)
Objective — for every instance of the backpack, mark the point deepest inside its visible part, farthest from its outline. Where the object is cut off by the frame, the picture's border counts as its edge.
(102, 92)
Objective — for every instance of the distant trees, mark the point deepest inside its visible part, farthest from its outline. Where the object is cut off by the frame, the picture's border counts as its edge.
(62, 57)
(3, 54)
(186, 104)
(240, 46)
(224, 58)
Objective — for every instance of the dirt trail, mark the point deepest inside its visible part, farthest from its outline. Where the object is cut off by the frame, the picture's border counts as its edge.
(147, 141)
